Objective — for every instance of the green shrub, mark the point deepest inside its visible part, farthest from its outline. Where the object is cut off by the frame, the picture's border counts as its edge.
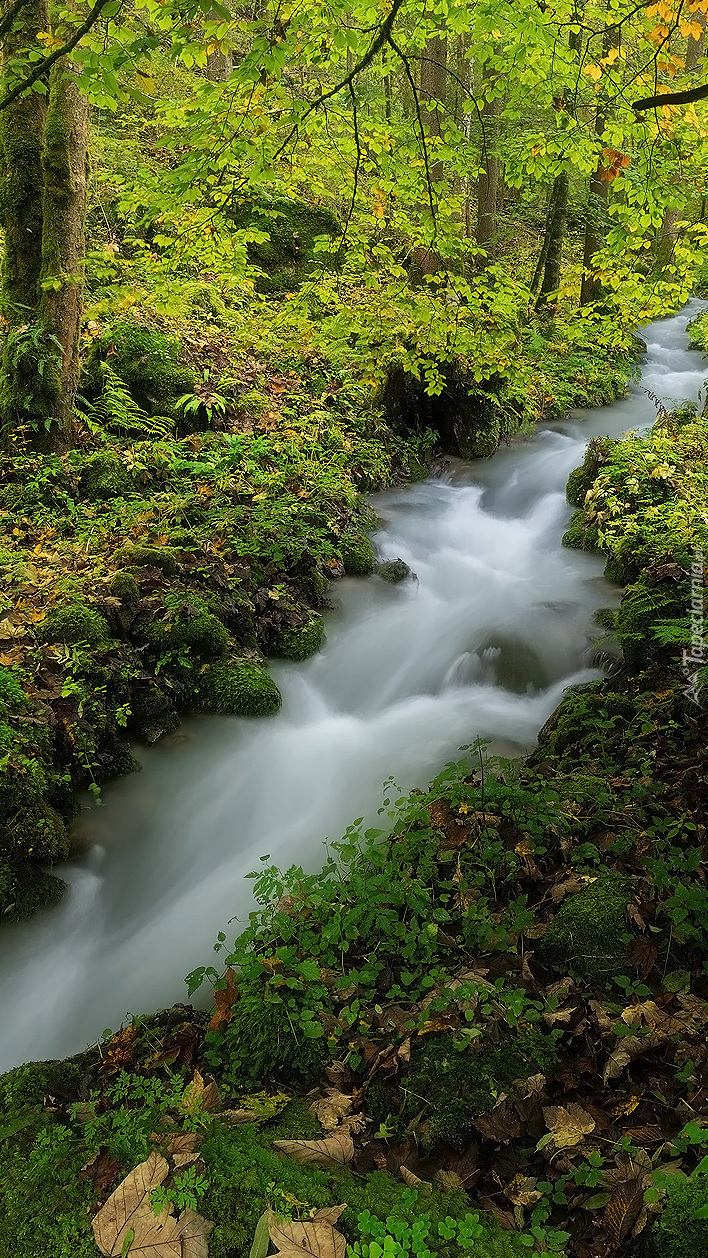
(242, 688)
(74, 622)
(358, 554)
(260, 1044)
(302, 640)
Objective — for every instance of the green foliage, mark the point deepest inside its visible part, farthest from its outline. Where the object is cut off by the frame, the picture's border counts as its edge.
(287, 231)
(74, 623)
(242, 688)
(302, 640)
(681, 1232)
(399, 1236)
(115, 411)
(588, 932)
(147, 361)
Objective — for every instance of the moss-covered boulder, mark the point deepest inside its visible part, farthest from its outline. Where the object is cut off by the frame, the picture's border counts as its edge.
(455, 1086)
(393, 571)
(358, 554)
(12, 695)
(582, 478)
(147, 361)
(481, 440)
(104, 475)
(580, 534)
(586, 934)
(302, 640)
(162, 557)
(240, 688)
(71, 623)
(25, 889)
(287, 255)
(124, 586)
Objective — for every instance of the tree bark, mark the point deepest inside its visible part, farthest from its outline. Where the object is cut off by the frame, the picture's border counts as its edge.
(555, 231)
(433, 93)
(63, 241)
(488, 182)
(695, 47)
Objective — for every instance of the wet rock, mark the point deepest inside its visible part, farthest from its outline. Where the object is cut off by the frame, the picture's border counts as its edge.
(393, 570)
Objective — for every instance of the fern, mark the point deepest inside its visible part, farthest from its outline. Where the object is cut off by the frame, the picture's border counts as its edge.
(116, 412)
(669, 632)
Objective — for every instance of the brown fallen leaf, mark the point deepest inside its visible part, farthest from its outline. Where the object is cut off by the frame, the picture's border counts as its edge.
(128, 1224)
(331, 1109)
(234, 1117)
(314, 1239)
(224, 1000)
(199, 1096)
(102, 1170)
(522, 1191)
(183, 1142)
(622, 1211)
(335, 1150)
(569, 1124)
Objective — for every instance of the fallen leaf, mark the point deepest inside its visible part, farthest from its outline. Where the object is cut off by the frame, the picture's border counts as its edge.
(314, 1239)
(224, 1000)
(569, 1124)
(331, 1109)
(127, 1223)
(234, 1117)
(622, 1211)
(522, 1191)
(199, 1096)
(183, 1142)
(335, 1150)
(101, 1171)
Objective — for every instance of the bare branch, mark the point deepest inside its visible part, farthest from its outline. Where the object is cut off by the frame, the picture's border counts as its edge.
(46, 64)
(672, 98)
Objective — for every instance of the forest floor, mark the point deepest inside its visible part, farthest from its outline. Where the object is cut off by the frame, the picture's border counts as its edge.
(484, 1033)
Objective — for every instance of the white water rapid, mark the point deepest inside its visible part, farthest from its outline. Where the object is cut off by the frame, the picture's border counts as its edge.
(484, 642)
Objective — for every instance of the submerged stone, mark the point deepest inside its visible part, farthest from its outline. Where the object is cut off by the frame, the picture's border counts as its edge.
(393, 570)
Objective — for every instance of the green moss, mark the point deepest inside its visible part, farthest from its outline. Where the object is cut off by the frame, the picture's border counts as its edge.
(287, 257)
(149, 557)
(242, 688)
(482, 440)
(104, 475)
(583, 477)
(125, 587)
(74, 622)
(12, 696)
(26, 890)
(36, 833)
(586, 934)
(148, 362)
(302, 640)
(456, 1087)
(260, 1046)
(605, 617)
(677, 1233)
(393, 571)
(205, 636)
(580, 535)
(358, 554)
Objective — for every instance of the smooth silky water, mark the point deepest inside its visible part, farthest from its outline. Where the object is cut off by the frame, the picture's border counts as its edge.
(497, 623)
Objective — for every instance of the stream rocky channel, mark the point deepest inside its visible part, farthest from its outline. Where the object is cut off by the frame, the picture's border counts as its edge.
(482, 642)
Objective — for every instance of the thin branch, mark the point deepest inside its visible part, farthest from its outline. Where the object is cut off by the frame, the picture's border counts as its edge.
(46, 64)
(374, 47)
(416, 102)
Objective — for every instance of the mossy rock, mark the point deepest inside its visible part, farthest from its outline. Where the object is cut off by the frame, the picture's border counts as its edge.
(605, 617)
(358, 554)
(302, 640)
(161, 557)
(582, 478)
(37, 834)
(240, 688)
(148, 362)
(482, 440)
(457, 1086)
(580, 535)
(104, 475)
(586, 934)
(72, 623)
(393, 571)
(287, 257)
(124, 586)
(678, 1233)
(24, 890)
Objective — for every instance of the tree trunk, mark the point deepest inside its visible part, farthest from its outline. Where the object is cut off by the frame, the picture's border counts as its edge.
(555, 230)
(695, 47)
(488, 183)
(666, 239)
(63, 241)
(387, 85)
(598, 191)
(433, 92)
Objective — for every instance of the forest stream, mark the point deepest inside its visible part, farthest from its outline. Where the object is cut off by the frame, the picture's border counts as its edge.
(496, 624)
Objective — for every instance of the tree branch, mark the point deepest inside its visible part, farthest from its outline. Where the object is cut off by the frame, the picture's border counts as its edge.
(46, 64)
(9, 16)
(672, 98)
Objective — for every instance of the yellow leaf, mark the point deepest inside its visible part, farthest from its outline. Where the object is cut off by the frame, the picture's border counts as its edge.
(593, 72)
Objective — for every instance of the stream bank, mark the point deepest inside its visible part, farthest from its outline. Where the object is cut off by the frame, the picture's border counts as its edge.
(545, 917)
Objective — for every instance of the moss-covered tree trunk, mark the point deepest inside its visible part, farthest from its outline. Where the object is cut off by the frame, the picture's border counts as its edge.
(63, 238)
(488, 183)
(43, 145)
(553, 244)
(598, 190)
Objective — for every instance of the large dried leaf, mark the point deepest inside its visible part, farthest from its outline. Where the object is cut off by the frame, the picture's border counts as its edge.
(332, 1109)
(569, 1124)
(127, 1224)
(623, 1211)
(316, 1239)
(224, 1000)
(335, 1150)
(200, 1096)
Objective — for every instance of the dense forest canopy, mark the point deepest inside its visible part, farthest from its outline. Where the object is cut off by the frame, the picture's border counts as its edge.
(435, 136)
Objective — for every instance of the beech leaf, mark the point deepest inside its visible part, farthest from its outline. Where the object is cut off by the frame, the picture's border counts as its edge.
(336, 1150)
(127, 1224)
(569, 1125)
(314, 1239)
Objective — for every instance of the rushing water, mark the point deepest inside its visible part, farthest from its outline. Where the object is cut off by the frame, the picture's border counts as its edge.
(483, 642)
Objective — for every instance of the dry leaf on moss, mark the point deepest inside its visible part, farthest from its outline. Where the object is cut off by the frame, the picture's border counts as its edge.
(316, 1238)
(199, 1096)
(336, 1150)
(126, 1224)
(332, 1108)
